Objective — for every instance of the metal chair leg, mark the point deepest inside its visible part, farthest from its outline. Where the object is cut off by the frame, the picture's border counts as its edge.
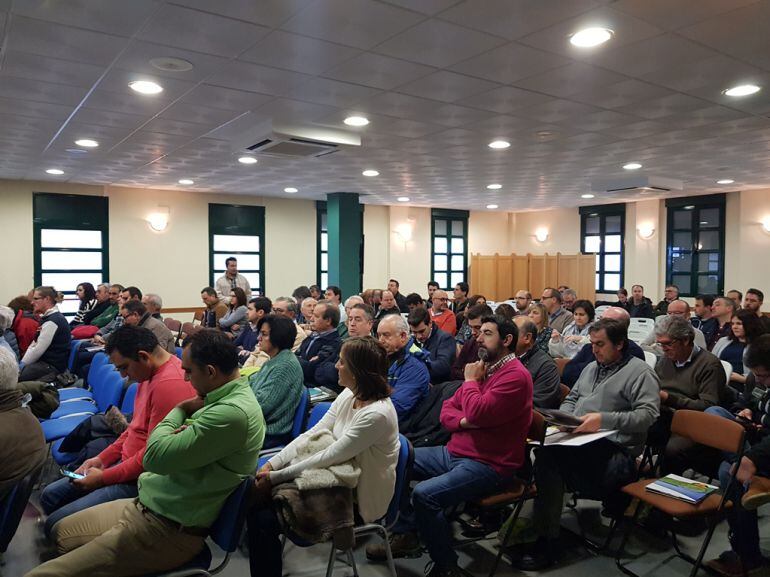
(624, 540)
(501, 547)
(388, 552)
(352, 562)
(330, 564)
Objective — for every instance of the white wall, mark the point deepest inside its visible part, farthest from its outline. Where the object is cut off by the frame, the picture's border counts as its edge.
(563, 226)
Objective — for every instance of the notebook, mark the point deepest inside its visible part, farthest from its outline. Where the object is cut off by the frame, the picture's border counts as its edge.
(681, 488)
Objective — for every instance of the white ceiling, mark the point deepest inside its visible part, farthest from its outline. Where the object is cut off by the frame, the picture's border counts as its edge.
(438, 79)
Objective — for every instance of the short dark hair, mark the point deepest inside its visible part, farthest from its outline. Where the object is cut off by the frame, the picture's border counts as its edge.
(135, 307)
(617, 331)
(622, 291)
(587, 307)
(335, 289)
(505, 310)
(637, 285)
(129, 340)
(240, 296)
(758, 353)
(505, 327)
(230, 259)
(740, 294)
(331, 313)
(463, 286)
(707, 300)
(367, 361)
(262, 304)
(673, 286)
(757, 293)
(433, 283)
(368, 310)
(209, 291)
(417, 316)
(212, 347)
(118, 286)
(394, 281)
(478, 311)
(300, 293)
(314, 286)
(414, 299)
(283, 331)
(133, 292)
(554, 293)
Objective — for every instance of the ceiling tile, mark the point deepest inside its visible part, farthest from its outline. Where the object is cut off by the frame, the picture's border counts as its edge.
(34, 67)
(670, 15)
(26, 107)
(109, 16)
(331, 92)
(570, 79)
(37, 91)
(446, 86)
(255, 78)
(430, 7)
(136, 58)
(270, 13)
(298, 53)
(510, 63)
(226, 98)
(621, 94)
(378, 71)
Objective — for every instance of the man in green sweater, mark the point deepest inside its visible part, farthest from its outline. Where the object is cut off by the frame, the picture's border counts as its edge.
(279, 383)
(195, 458)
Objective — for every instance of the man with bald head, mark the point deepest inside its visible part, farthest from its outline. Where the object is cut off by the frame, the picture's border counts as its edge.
(676, 308)
(440, 313)
(586, 356)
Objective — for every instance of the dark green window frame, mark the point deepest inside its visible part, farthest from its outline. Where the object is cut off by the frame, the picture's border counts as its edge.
(240, 220)
(695, 244)
(446, 226)
(601, 221)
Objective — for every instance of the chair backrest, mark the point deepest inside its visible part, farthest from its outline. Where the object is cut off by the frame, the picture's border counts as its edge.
(710, 430)
(728, 369)
(96, 375)
(198, 316)
(98, 360)
(317, 414)
(404, 465)
(127, 405)
(172, 324)
(651, 359)
(13, 505)
(538, 426)
(639, 328)
(300, 415)
(563, 391)
(108, 391)
(560, 364)
(178, 352)
(226, 530)
(599, 312)
(74, 347)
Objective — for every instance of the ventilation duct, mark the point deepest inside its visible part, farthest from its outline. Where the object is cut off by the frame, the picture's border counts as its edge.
(639, 184)
(287, 141)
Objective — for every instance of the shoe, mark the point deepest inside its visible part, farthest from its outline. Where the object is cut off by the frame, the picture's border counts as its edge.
(729, 564)
(435, 570)
(540, 556)
(757, 495)
(401, 545)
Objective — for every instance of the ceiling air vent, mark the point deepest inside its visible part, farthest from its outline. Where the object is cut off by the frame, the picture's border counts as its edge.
(638, 184)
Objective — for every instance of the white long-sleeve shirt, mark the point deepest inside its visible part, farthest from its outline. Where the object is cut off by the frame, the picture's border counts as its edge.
(369, 435)
(40, 345)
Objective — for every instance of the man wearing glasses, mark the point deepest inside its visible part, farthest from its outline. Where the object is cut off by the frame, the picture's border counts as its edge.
(47, 356)
(440, 313)
(558, 317)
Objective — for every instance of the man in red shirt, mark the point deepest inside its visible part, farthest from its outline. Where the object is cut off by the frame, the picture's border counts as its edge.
(112, 474)
(441, 315)
(489, 418)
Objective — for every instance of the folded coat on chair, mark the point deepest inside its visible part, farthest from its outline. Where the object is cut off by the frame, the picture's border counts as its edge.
(316, 515)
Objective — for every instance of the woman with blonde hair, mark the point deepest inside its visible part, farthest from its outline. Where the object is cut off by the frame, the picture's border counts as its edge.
(539, 315)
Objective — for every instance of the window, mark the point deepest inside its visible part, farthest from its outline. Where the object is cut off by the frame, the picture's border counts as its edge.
(695, 243)
(449, 251)
(322, 242)
(71, 243)
(238, 231)
(602, 230)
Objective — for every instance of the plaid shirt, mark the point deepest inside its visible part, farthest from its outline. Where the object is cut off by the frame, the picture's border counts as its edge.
(494, 368)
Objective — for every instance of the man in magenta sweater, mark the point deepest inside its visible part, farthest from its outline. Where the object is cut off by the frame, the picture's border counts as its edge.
(112, 474)
(489, 418)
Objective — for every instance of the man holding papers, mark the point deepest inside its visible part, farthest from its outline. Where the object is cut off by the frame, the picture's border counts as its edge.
(616, 392)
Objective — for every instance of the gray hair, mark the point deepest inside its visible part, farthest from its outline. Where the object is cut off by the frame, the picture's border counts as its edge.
(570, 292)
(354, 299)
(291, 304)
(309, 299)
(9, 370)
(106, 285)
(6, 317)
(676, 328)
(399, 322)
(154, 300)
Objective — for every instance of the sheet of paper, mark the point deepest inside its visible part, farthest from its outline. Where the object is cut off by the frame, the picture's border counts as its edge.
(576, 440)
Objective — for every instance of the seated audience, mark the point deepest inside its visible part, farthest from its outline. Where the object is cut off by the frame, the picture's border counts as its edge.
(460, 300)
(568, 299)
(670, 294)
(676, 308)
(572, 369)
(746, 328)
(463, 330)
(315, 292)
(558, 316)
(230, 280)
(538, 314)
(289, 308)
(24, 324)
(387, 307)
(364, 425)
(506, 311)
(135, 314)
(236, 318)
(408, 374)
(111, 312)
(494, 403)
(546, 392)
(737, 298)
(432, 287)
(333, 294)
(413, 301)
(575, 334)
(753, 302)
(48, 354)
(704, 319)
(639, 306)
(23, 447)
(127, 294)
(469, 351)
(440, 345)
(246, 341)
(441, 315)
(154, 305)
(306, 309)
(111, 475)
(86, 302)
(8, 339)
(215, 308)
(195, 457)
(523, 300)
(723, 310)
(279, 383)
(350, 302)
(322, 348)
(616, 391)
(400, 300)
(300, 294)
(622, 295)
(103, 302)
(360, 320)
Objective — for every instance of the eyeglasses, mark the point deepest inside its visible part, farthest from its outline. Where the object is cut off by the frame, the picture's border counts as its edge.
(667, 344)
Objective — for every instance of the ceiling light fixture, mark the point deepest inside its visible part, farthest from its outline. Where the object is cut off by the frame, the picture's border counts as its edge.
(146, 87)
(632, 166)
(87, 143)
(403, 199)
(494, 186)
(586, 196)
(55, 171)
(742, 90)
(186, 181)
(590, 37)
(725, 181)
(247, 160)
(290, 190)
(499, 144)
(370, 172)
(356, 121)
(491, 206)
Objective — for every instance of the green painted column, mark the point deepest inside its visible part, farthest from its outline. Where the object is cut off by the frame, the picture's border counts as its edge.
(346, 236)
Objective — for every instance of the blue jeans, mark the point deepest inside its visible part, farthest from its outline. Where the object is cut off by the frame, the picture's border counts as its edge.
(447, 481)
(744, 527)
(62, 498)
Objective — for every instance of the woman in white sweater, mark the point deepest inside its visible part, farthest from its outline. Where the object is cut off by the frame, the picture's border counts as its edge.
(364, 425)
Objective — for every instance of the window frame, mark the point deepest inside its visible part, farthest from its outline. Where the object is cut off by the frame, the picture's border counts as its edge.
(54, 211)
(238, 220)
(699, 203)
(603, 212)
(449, 216)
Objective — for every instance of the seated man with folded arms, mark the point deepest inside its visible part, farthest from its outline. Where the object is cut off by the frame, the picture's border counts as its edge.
(286, 307)
(360, 320)
(194, 459)
(489, 418)
(322, 348)
(441, 315)
(546, 392)
(469, 353)
(616, 391)
(440, 345)
(47, 356)
(112, 474)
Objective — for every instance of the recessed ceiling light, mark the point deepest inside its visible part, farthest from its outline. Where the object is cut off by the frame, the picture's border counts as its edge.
(725, 181)
(590, 37)
(87, 143)
(247, 160)
(742, 90)
(632, 166)
(370, 172)
(494, 186)
(356, 121)
(586, 196)
(290, 189)
(499, 144)
(403, 199)
(145, 87)
(491, 206)
(186, 181)
(55, 171)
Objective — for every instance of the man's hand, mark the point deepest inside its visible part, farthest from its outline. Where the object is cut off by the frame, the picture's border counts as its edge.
(592, 422)
(264, 470)
(746, 470)
(263, 489)
(475, 371)
(98, 340)
(191, 405)
(663, 395)
(555, 336)
(92, 463)
(92, 481)
(464, 424)
(746, 414)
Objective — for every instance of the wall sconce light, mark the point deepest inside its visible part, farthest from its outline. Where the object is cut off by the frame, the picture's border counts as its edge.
(158, 220)
(404, 232)
(645, 231)
(541, 234)
(766, 224)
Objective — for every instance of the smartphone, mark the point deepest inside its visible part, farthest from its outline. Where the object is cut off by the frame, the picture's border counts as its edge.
(71, 474)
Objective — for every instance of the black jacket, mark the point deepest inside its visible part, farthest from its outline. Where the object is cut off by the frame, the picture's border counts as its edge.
(442, 349)
(401, 302)
(643, 310)
(423, 425)
(326, 348)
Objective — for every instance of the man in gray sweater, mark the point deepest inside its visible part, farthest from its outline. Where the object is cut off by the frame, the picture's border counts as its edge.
(546, 393)
(619, 392)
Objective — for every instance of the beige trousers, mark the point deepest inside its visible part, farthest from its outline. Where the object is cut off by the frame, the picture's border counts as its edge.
(117, 539)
